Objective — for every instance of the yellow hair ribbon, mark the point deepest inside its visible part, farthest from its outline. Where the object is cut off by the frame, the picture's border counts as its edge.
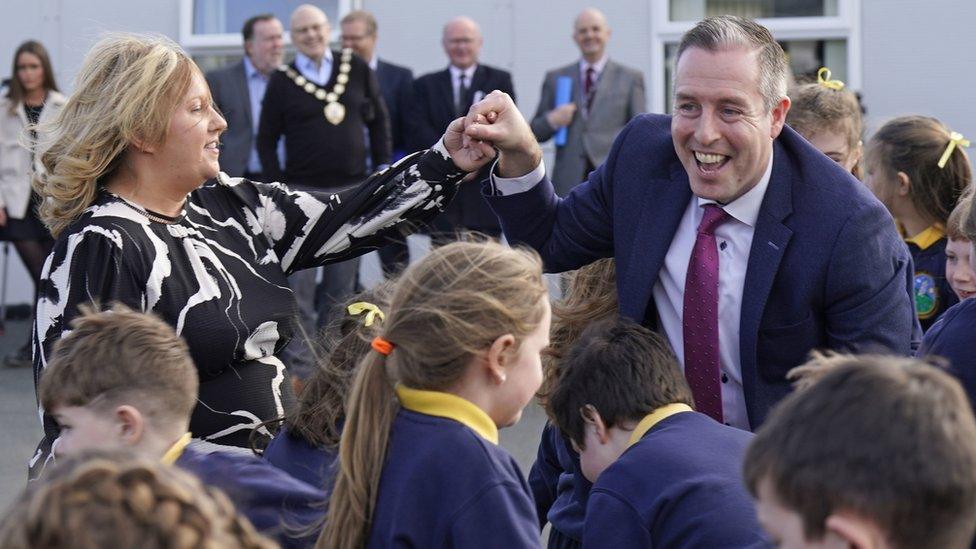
(823, 78)
(372, 311)
(955, 140)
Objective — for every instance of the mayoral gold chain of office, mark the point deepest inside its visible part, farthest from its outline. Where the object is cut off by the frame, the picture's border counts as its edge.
(335, 112)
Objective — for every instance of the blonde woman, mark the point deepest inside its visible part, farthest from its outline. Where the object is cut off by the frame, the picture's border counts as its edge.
(32, 97)
(143, 216)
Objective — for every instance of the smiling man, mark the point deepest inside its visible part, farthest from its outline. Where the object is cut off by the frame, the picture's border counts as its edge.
(733, 237)
(605, 96)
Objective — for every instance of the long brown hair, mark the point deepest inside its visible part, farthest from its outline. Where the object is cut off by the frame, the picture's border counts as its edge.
(913, 145)
(16, 91)
(591, 296)
(446, 309)
(322, 403)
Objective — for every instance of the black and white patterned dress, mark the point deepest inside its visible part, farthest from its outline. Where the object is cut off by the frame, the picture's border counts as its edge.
(218, 276)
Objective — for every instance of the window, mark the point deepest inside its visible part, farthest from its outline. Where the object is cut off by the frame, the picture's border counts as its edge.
(814, 34)
(210, 30)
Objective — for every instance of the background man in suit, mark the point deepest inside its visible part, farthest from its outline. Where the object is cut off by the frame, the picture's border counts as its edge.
(442, 96)
(396, 83)
(321, 154)
(606, 95)
(238, 91)
(733, 236)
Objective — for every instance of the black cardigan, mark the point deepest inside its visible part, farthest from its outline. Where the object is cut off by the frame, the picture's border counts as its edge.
(317, 153)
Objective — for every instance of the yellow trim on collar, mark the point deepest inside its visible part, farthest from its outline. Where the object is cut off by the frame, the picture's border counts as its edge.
(176, 450)
(655, 417)
(436, 403)
(928, 237)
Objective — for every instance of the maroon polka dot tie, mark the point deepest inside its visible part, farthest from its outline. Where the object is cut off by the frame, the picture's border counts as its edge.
(701, 316)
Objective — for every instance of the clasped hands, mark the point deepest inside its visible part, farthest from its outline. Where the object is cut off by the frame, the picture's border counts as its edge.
(493, 124)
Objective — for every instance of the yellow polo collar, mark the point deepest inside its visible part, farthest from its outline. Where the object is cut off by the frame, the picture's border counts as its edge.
(176, 450)
(928, 237)
(655, 417)
(436, 403)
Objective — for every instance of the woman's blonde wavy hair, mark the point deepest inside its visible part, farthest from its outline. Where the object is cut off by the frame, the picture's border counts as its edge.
(98, 499)
(126, 92)
(446, 308)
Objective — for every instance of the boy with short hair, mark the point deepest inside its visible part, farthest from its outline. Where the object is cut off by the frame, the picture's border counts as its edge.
(122, 379)
(959, 270)
(879, 452)
(664, 475)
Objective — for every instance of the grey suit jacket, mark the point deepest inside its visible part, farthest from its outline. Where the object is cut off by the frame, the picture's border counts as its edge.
(230, 92)
(619, 97)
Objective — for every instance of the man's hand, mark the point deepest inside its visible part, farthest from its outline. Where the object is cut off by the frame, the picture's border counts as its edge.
(3, 217)
(561, 116)
(468, 154)
(496, 120)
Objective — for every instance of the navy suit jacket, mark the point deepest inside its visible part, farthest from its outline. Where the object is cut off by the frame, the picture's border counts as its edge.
(232, 95)
(827, 268)
(433, 112)
(396, 85)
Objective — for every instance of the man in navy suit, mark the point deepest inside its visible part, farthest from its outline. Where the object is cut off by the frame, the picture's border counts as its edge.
(396, 85)
(733, 236)
(442, 96)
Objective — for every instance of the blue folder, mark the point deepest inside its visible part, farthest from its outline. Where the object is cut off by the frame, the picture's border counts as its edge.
(564, 94)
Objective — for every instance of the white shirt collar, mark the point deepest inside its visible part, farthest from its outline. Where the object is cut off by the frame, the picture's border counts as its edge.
(304, 61)
(597, 67)
(374, 62)
(468, 72)
(746, 207)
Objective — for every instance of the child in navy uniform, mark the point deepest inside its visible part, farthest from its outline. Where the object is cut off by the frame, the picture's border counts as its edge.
(953, 336)
(559, 487)
(829, 117)
(918, 169)
(457, 358)
(307, 444)
(663, 475)
(879, 452)
(959, 264)
(140, 398)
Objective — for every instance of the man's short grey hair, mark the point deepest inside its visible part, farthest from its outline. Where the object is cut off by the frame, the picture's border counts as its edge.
(728, 32)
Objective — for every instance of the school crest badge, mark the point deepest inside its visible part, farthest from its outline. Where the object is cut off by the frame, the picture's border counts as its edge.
(926, 295)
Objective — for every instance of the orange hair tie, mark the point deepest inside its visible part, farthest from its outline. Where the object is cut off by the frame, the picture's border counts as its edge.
(382, 346)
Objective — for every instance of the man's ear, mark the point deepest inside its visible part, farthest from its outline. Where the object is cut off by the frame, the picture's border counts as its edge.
(853, 531)
(778, 116)
(499, 357)
(131, 424)
(593, 420)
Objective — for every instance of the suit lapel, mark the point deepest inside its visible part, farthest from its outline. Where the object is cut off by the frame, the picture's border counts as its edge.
(769, 243)
(244, 93)
(664, 203)
(446, 92)
(605, 84)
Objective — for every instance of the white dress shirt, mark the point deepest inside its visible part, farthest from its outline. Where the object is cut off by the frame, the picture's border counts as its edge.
(456, 79)
(318, 74)
(597, 68)
(734, 240)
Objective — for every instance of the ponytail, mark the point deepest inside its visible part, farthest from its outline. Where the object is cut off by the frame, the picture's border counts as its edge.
(371, 409)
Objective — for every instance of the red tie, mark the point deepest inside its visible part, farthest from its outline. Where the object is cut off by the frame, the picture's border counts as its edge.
(589, 87)
(700, 317)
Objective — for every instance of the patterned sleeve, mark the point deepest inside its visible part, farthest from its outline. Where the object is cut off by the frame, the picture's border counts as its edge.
(85, 267)
(307, 229)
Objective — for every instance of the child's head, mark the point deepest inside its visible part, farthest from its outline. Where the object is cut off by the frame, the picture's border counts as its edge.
(877, 452)
(830, 119)
(96, 500)
(591, 296)
(959, 257)
(469, 319)
(615, 375)
(119, 379)
(902, 169)
(321, 406)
